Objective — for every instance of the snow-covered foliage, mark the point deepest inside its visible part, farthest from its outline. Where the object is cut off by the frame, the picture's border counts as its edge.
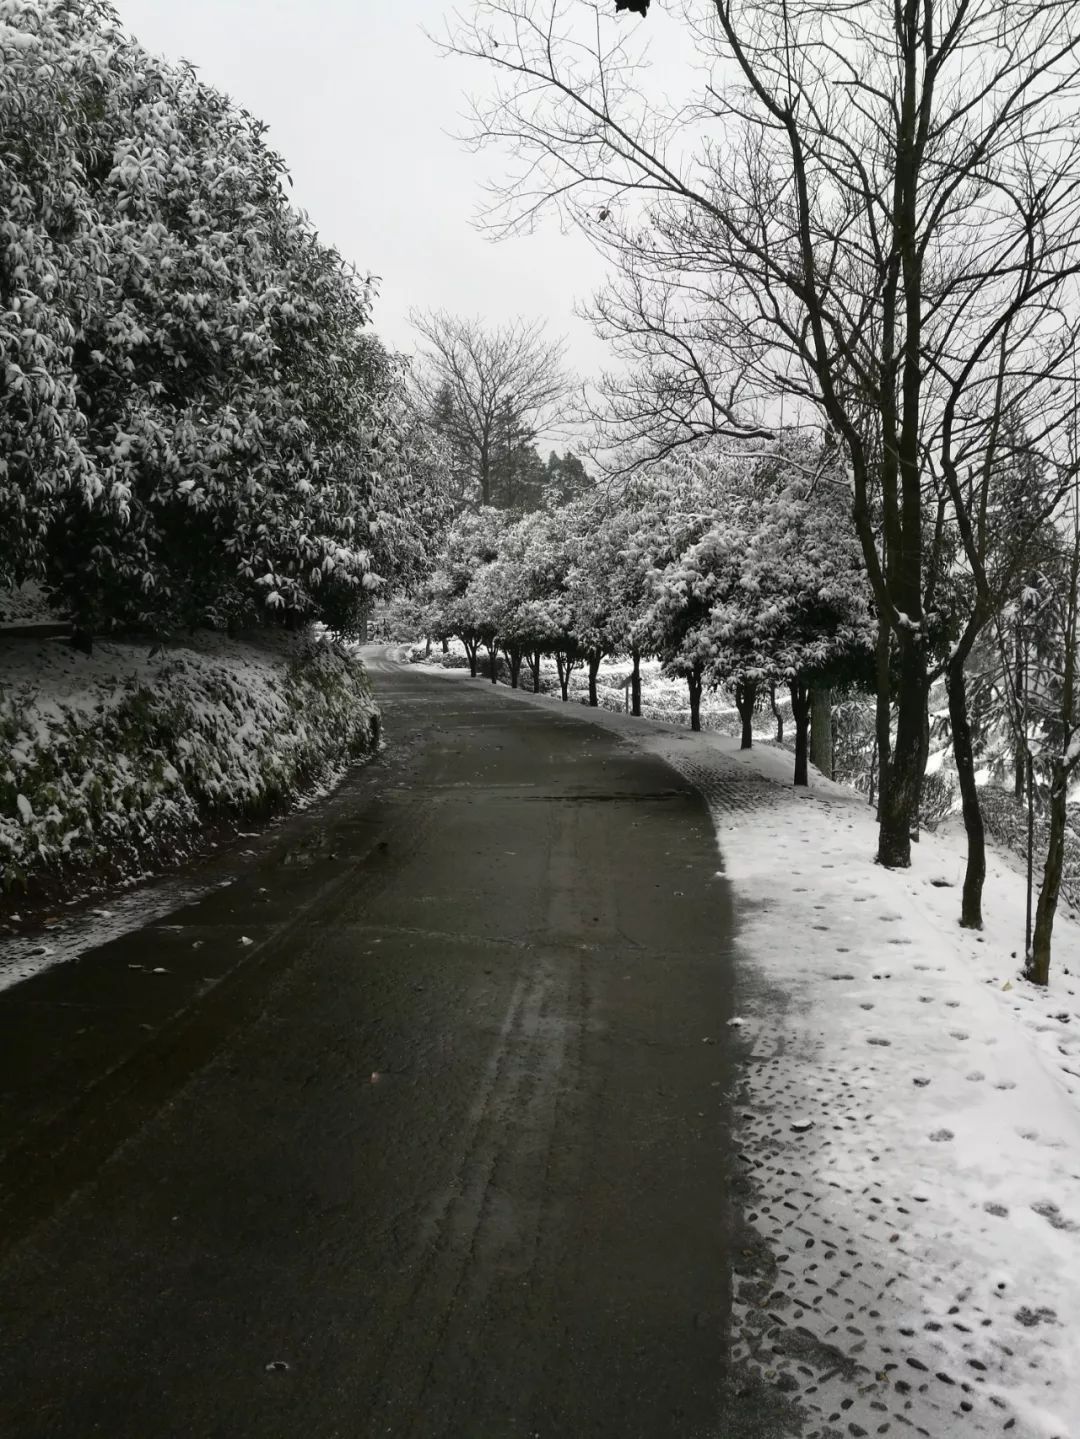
(195, 426)
(768, 584)
(729, 565)
(470, 545)
(108, 761)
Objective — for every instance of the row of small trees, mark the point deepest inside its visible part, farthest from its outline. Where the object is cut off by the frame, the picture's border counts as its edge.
(196, 424)
(862, 217)
(737, 565)
(733, 567)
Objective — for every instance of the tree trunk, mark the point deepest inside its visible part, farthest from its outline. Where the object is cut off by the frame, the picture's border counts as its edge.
(536, 672)
(513, 659)
(924, 755)
(1037, 968)
(778, 715)
(1020, 748)
(594, 669)
(745, 699)
(472, 650)
(800, 710)
(693, 682)
(975, 874)
(563, 667)
(1020, 761)
(883, 710)
(446, 647)
(900, 794)
(821, 741)
(427, 648)
(493, 661)
(872, 781)
(485, 470)
(635, 684)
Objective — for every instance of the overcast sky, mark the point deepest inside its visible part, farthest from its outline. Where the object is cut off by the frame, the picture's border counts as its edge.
(359, 103)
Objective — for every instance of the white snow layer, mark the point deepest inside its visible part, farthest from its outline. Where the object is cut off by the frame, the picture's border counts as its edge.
(926, 1222)
(110, 760)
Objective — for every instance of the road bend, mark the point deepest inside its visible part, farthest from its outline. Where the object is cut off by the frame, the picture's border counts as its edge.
(418, 1127)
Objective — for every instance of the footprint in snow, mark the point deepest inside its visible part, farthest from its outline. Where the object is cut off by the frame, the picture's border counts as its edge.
(1054, 1217)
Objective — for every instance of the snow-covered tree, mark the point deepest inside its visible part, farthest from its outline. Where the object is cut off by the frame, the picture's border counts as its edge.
(195, 424)
(799, 611)
(695, 523)
(458, 597)
(761, 582)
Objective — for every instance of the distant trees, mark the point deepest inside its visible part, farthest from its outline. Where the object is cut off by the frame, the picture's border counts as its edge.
(489, 391)
(196, 424)
(565, 479)
(723, 564)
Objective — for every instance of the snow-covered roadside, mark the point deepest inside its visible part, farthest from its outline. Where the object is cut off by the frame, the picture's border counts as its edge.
(910, 1117)
(117, 760)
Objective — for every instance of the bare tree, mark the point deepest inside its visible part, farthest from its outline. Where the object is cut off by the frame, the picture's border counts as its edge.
(677, 381)
(881, 203)
(1047, 700)
(488, 387)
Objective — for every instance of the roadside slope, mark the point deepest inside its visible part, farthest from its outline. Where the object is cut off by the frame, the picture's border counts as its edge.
(116, 761)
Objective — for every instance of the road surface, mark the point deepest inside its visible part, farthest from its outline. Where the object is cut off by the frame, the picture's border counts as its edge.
(418, 1128)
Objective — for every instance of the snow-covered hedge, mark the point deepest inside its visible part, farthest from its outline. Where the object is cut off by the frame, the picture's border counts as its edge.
(197, 426)
(109, 760)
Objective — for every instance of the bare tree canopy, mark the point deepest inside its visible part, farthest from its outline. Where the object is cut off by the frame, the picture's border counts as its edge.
(876, 210)
(492, 389)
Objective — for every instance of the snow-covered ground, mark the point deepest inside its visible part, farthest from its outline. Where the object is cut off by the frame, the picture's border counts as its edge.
(909, 1117)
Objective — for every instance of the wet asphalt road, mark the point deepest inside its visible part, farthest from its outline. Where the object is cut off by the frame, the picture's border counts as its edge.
(444, 1139)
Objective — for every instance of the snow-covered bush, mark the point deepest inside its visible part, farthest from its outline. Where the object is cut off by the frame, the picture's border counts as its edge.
(195, 426)
(107, 761)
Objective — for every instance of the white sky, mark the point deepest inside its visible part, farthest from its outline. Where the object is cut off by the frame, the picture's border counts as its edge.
(359, 103)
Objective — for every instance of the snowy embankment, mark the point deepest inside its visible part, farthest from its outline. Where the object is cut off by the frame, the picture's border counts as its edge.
(112, 761)
(909, 1116)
